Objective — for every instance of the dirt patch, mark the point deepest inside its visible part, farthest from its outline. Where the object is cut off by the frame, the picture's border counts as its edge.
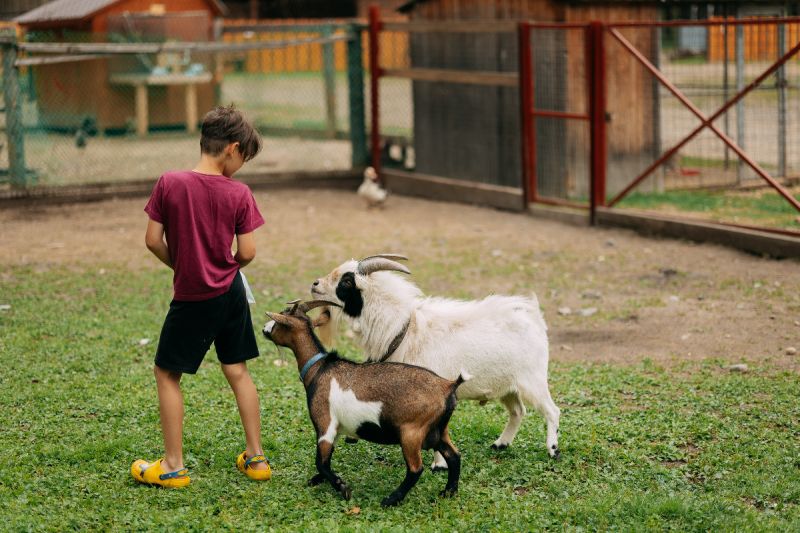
(608, 295)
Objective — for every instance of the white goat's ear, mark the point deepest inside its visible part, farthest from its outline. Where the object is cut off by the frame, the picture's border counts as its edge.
(375, 264)
(323, 318)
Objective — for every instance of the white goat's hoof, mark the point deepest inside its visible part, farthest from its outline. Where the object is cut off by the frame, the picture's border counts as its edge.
(438, 468)
(499, 446)
(554, 452)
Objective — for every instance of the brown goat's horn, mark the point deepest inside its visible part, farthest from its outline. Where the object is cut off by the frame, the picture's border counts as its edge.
(370, 265)
(313, 304)
(393, 257)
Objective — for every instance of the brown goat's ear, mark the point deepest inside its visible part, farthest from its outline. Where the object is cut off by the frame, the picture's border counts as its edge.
(279, 318)
(294, 304)
(323, 318)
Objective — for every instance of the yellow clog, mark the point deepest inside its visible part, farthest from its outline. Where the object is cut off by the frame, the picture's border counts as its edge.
(243, 465)
(154, 474)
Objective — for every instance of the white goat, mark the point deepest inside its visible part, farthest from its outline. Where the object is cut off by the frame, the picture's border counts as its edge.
(500, 340)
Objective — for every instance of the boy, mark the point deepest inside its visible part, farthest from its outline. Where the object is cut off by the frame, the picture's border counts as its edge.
(194, 216)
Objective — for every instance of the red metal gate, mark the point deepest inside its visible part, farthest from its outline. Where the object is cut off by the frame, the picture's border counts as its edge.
(596, 35)
(591, 113)
(705, 121)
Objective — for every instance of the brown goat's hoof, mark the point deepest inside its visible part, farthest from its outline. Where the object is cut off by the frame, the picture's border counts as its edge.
(350, 440)
(390, 501)
(499, 447)
(448, 493)
(315, 480)
(345, 492)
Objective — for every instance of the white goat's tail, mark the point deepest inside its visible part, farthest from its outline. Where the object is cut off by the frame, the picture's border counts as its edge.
(537, 311)
(462, 377)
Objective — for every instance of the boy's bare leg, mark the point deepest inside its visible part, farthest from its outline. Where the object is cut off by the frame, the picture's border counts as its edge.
(247, 399)
(170, 404)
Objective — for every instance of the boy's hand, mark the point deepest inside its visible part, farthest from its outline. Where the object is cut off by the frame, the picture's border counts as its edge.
(154, 240)
(245, 248)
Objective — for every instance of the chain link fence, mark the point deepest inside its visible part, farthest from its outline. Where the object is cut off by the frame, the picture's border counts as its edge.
(126, 105)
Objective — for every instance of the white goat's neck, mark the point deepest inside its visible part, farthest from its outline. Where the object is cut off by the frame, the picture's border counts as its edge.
(389, 303)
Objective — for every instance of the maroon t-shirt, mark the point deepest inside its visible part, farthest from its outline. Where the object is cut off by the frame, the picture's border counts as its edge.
(201, 214)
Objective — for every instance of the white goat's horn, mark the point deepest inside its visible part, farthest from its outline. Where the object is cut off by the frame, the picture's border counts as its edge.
(294, 302)
(393, 257)
(313, 304)
(369, 265)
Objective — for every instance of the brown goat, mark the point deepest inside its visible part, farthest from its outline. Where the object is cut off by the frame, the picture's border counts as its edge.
(386, 403)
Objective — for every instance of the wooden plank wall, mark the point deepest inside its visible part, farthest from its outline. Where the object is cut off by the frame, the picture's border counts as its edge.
(308, 57)
(760, 42)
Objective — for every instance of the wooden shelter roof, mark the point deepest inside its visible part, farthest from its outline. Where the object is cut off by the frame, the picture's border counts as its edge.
(77, 10)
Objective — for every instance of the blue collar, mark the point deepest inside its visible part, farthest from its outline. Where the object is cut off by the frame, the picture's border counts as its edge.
(310, 363)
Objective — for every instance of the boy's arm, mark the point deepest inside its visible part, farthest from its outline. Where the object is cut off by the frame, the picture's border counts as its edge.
(154, 240)
(245, 248)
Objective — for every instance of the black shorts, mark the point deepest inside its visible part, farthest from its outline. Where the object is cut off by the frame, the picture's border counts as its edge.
(191, 327)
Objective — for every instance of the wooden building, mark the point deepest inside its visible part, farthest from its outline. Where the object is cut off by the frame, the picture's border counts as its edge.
(472, 132)
(108, 91)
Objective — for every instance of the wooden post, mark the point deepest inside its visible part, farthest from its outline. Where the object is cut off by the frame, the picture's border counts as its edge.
(14, 128)
(355, 87)
(141, 109)
(329, 74)
(191, 107)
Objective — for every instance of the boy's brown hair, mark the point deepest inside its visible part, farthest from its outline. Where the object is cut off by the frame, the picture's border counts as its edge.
(224, 125)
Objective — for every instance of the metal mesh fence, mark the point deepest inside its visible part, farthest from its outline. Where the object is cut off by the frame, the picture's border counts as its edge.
(105, 117)
(725, 72)
(559, 86)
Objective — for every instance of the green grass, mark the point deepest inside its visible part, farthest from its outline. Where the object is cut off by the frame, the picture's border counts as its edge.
(765, 208)
(692, 447)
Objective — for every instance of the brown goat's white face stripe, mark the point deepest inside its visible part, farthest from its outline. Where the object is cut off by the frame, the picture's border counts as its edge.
(348, 413)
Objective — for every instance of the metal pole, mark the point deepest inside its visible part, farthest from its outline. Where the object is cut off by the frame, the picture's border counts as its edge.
(329, 75)
(355, 85)
(528, 141)
(597, 112)
(656, 51)
(725, 82)
(740, 104)
(781, 82)
(218, 61)
(14, 128)
(374, 96)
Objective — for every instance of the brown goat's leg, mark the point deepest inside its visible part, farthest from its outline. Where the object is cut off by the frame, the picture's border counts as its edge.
(412, 452)
(324, 453)
(453, 458)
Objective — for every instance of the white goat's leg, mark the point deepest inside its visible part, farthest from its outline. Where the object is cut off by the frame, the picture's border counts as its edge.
(438, 462)
(516, 412)
(552, 414)
(541, 400)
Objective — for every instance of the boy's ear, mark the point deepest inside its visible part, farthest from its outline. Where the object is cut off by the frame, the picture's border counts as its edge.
(232, 148)
(323, 318)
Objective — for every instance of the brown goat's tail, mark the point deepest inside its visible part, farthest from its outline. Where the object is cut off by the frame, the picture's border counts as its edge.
(462, 377)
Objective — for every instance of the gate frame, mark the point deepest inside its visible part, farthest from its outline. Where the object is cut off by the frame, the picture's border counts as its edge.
(705, 122)
(596, 89)
(595, 93)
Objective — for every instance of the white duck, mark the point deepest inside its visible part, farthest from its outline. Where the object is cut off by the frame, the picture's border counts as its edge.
(371, 190)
